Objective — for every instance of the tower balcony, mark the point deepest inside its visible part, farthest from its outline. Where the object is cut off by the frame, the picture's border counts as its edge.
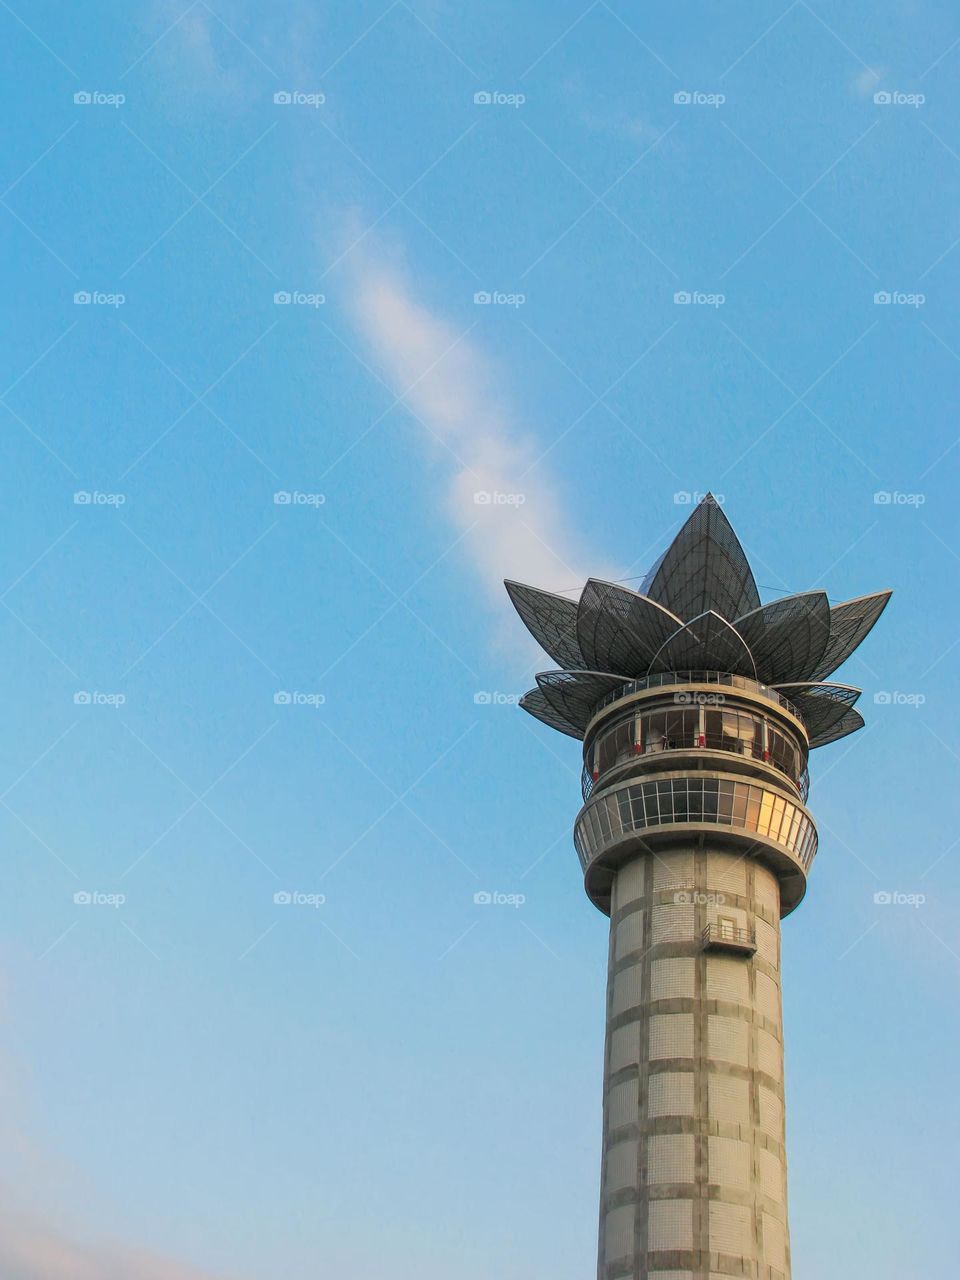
(724, 935)
(640, 814)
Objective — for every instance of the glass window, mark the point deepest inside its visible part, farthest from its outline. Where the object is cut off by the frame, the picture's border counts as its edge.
(725, 802)
(766, 813)
(623, 805)
(711, 789)
(740, 793)
(753, 809)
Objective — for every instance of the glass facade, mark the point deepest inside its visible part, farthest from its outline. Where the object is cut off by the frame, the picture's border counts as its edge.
(636, 805)
(680, 728)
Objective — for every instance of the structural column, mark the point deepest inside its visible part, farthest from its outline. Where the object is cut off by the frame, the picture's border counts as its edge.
(693, 1183)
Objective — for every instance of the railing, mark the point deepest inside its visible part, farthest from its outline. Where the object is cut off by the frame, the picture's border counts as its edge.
(748, 806)
(709, 742)
(727, 935)
(661, 678)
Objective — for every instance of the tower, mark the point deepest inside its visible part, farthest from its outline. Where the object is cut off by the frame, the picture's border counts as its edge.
(698, 708)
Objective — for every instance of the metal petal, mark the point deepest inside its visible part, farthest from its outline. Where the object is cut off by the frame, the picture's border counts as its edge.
(538, 706)
(708, 643)
(821, 706)
(704, 568)
(619, 629)
(849, 624)
(787, 637)
(574, 695)
(551, 620)
(849, 722)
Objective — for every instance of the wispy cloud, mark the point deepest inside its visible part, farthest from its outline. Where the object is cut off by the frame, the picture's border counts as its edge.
(868, 81)
(512, 514)
(29, 1251)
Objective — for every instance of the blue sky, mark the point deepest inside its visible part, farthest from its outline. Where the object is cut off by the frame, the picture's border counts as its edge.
(200, 1082)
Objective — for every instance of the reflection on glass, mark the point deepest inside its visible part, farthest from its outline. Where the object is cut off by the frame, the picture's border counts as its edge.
(662, 802)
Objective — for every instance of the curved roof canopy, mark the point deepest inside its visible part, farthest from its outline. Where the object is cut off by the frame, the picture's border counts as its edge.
(698, 609)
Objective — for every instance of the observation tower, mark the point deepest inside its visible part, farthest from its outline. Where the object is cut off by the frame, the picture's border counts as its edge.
(698, 708)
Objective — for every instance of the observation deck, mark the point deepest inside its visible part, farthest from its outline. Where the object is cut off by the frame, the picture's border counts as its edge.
(688, 757)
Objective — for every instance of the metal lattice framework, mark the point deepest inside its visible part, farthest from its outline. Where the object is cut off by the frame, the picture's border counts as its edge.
(698, 608)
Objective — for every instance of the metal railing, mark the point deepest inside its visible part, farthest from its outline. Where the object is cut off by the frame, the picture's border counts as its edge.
(661, 678)
(729, 935)
(708, 742)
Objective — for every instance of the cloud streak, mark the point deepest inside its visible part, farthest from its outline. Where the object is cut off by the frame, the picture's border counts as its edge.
(29, 1251)
(503, 502)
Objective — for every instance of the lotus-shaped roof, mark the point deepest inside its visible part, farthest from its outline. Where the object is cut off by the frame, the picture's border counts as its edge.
(698, 609)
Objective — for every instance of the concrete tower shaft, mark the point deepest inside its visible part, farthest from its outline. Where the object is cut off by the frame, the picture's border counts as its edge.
(694, 838)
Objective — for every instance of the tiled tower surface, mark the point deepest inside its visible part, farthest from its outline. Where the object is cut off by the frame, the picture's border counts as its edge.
(698, 708)
(694, 1172)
